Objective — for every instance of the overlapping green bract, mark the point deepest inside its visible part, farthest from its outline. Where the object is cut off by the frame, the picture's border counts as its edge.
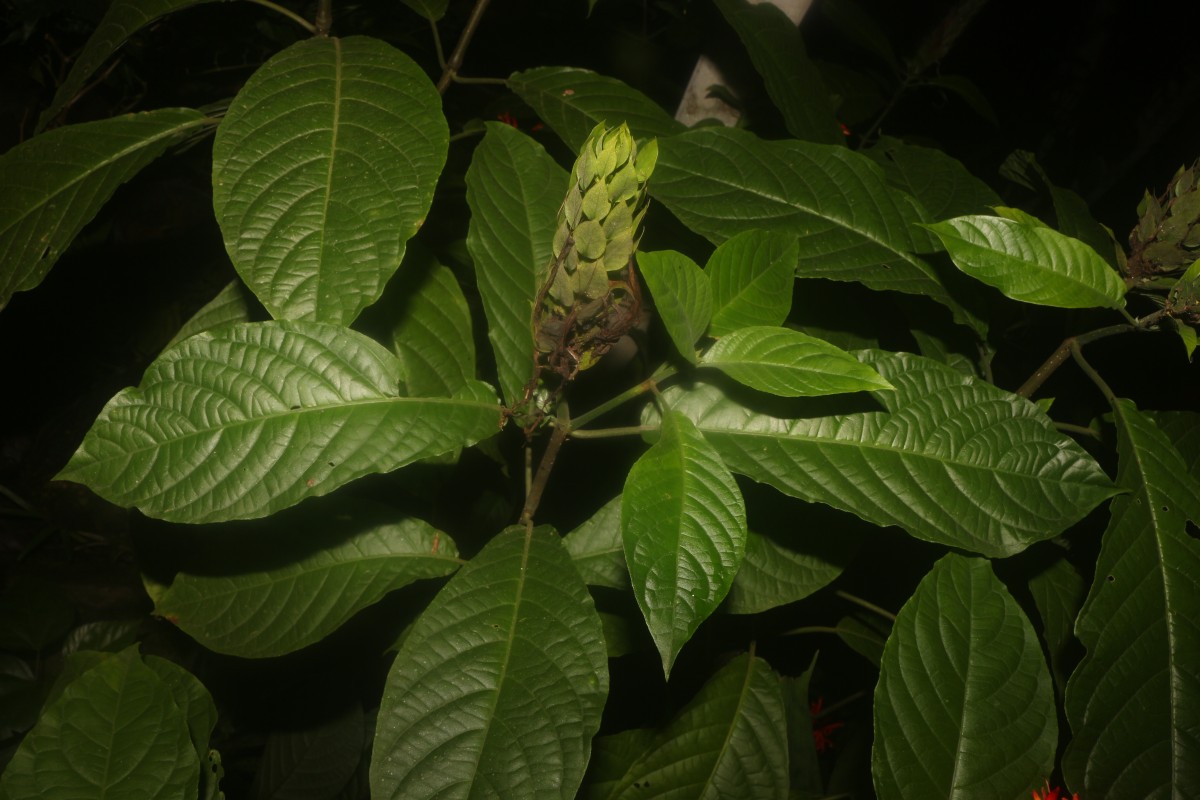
(498, 687)
(323, 168)
(964, 707)
(1134, 701)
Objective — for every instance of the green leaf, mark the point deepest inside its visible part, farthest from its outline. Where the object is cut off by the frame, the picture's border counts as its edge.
(432, 10)
(1134, 700)
(596, 549)
(849, 224)
(1031, 263)
(941, 184)
(114, 732)
(683, 523)
(804, 769)
(790, 363)
(241, 422)
(56, 182)
(312, 762)
(772, 575)
(573, 101)
(793, 82)
(122, 19)
(681, 296)
(729, 741)
(865, 634)
(611, 758)
(323, 168)
(1058, 591)
(751, 276)
(964, 706)
(193, 700)
(514, 190)
(948, 458)
(231, 305)
(498, 688)
(431, 328)
(276, 610)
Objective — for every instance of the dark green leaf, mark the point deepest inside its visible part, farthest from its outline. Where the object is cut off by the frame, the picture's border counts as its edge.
(231, 305)
(108, 635)
(849, 224)
(683, 523)
(865, 634)
(949, 458)
(497, 689)
(681, 295)
(514, 190)
(595, 547)
(772, 575)
(1134, 701)
(790, 363)
(193, 700)
(729, 741)
(323, 168)
(573, 101)
(751, 278)
(249, 419)
(258, 614)
(803, 768)
(1058, 592)
(611, 758)
(117, 713)
(313, 762)
(940, 183)
(1031, 263)
(792, 80)
(56, 182)
(964, 706)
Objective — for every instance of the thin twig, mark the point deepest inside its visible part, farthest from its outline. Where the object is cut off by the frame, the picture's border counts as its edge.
(609, 433)
(324, 20)
(450, 71)
(1077, 354)
(1063, 352)
(562, 429)
(1078, 430)
(287, 12)
(648, 385)
(869, 606)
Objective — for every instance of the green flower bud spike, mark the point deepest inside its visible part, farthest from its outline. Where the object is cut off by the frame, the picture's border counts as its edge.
(590, 296)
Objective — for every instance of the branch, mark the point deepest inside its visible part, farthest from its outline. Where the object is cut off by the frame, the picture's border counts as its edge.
(1064, 350)
(287, 12)
(450, 72)
(562, 428)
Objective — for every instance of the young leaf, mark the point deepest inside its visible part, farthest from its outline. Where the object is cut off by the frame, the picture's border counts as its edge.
(849, 224)
(572, 101)
(249, 419)
(323, 168)
(964, 706)
(751, 277)
(681, 295)
(772, 575)
(792, 80)
(595, 548)
(949, 458)
(941, 184)
(269, 612)
(56, 182)
(790, 363)
(497, 689)
(230, 305)
(1031, 263)
(119, 712)
(514, 190)
(1134, 700)
(729, 741)
(683, 523)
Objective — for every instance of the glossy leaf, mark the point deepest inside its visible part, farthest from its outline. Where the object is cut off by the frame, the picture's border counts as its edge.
(729, 741)
(497, 689)
(596, 549)
(323, 168)
(514, 190)
(56, 182)
(431, 331)
(432, 10)
(681, 295)
(1031, 263)
(940, 183)
(793, 82)
(313, 761)
(683, 524)
(122, 19)
(751, 277)
(790, 363)
(948, 458)
(964, 707)
(573, 101)
(231, 305)
(269, 612)
(850, 226)
(772, 575)
(119, 712)
(244, 421)
(1134, 701)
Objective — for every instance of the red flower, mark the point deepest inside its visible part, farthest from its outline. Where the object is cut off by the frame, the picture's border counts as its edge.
(821, 733)
(1052, 794)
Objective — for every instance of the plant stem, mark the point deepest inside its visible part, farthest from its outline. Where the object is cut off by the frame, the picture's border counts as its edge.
(1060, 355)
(437, 45)
(562, 428)
(1077, 354)
(608, 433)
(450, 71)
(1078, 430)
(660, 374)
(324, 20)
(869, 606)
(810, 629)
(287, 12)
